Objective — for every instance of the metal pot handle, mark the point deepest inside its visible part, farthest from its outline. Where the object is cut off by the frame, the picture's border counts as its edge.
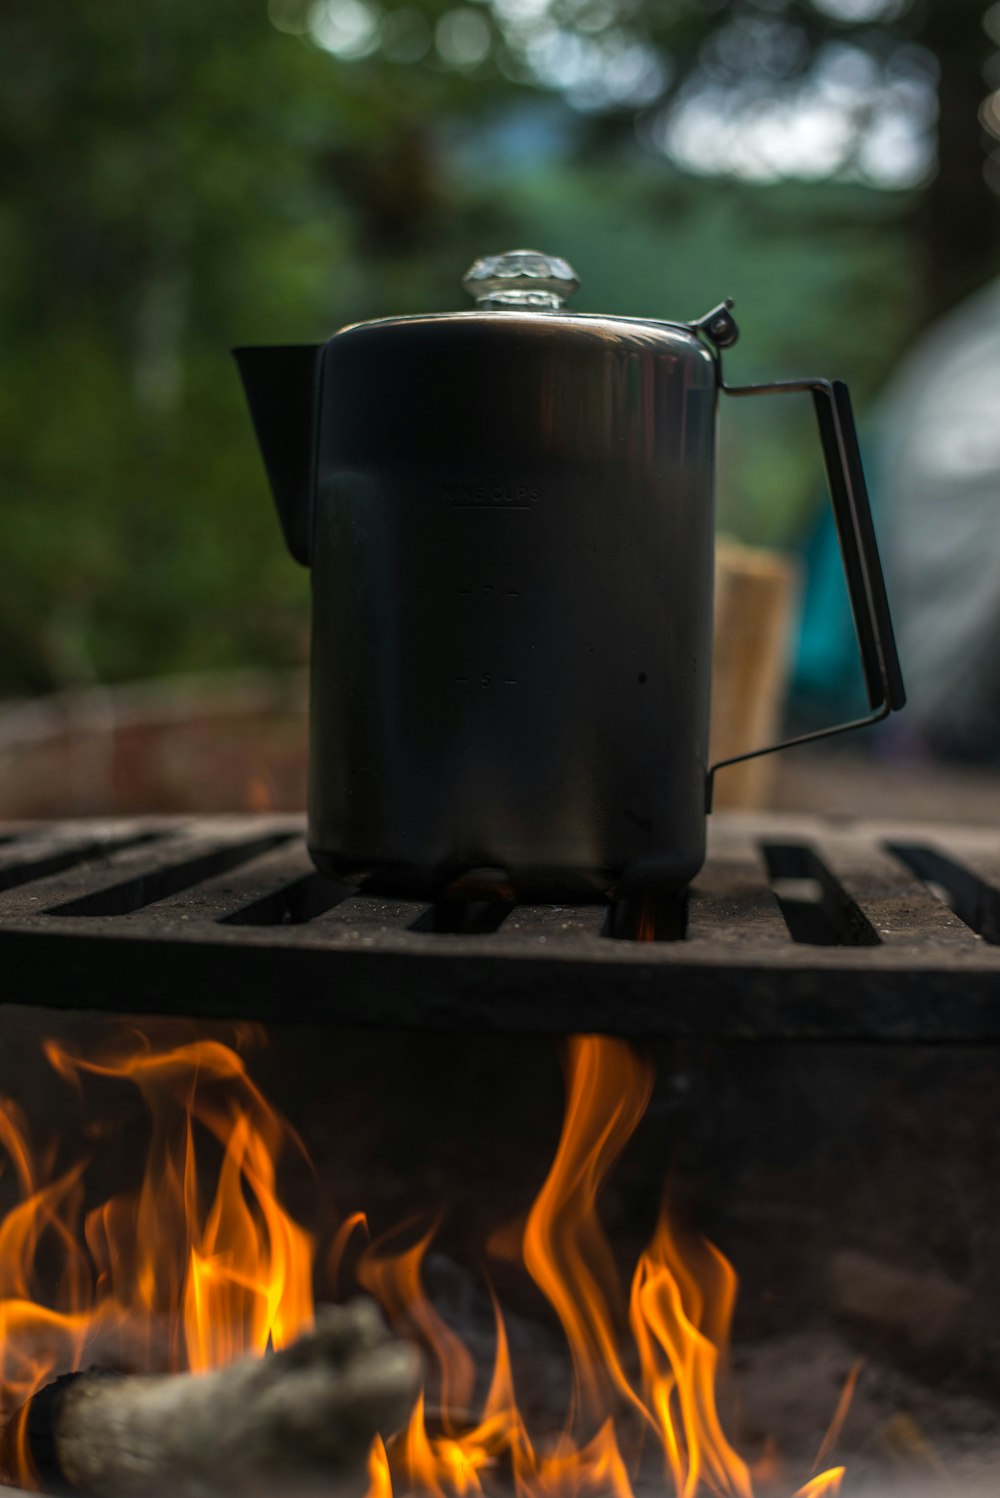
(859, 551)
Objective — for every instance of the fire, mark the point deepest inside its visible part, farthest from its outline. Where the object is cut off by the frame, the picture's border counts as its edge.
(826, 1485)
(673, 1312)
(678, 1311)
(168, 1278)
(202, 1263)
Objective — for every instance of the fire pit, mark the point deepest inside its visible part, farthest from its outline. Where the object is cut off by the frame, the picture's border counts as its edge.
(181, 1190)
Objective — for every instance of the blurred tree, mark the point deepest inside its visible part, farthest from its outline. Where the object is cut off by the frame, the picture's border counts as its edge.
(958, 215)
(889, 92)
(906, 78)
(174, 178)
(177, 177)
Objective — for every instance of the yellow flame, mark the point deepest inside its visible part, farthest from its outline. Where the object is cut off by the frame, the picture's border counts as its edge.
(670, 1309)
(379, 1476)
(202, 1263)
(679, 1313)
(826, 1485)
(176, 1275)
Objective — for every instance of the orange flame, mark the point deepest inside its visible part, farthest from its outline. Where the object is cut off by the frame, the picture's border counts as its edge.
(202, 1264)
(646, 929)
(379, 1480)
(832, 1436)
(173, 1277)
(394, 1280)
(565, 1250)
(679, 1313)
(670, 1311)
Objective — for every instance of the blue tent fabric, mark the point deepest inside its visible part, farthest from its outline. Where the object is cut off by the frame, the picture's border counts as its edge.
(934, 470)
(826, 674)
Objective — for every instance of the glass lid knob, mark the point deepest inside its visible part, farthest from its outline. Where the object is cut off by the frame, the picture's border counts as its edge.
(521, 278)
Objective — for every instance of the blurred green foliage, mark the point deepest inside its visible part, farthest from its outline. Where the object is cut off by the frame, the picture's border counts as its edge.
(178, 178)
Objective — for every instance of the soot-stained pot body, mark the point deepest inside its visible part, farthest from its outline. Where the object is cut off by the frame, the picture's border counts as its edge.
(508, 514)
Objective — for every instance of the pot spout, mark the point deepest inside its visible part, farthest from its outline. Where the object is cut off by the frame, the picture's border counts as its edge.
(281, 389)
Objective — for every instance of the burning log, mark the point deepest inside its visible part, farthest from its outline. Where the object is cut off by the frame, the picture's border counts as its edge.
(304, 1417)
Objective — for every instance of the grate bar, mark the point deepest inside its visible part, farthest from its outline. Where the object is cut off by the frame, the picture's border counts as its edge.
(292, 904)
(150, 887)
(141, 870)
(982, 862)
(899, 908)
(968, 888)
(366, 916)
(265, 888)
(731, 903)
(225, 917)
(36, 855)
(556, 923)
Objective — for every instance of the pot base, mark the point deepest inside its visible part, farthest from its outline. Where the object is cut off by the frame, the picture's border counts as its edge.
(454, 881)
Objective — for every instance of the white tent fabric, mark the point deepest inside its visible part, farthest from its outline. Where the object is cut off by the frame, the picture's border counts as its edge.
(940, 493)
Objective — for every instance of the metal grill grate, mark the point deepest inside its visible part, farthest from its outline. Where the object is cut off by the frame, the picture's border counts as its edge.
(796, 928)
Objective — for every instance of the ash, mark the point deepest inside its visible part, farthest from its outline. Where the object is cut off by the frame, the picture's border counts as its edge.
(902, 1438)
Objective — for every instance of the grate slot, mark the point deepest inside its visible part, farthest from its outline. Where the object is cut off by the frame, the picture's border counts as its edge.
(463, 917)
(973, 900)
(59, 859)
(292, 905)
(656, 915)
(817, 910)
(150, 885)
